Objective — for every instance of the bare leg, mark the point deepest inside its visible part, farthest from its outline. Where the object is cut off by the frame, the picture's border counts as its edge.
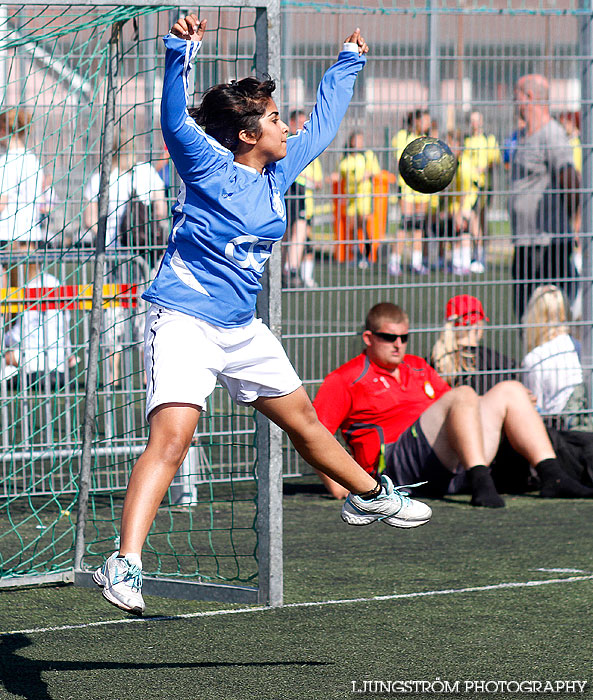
(395, 256)
(296, 248)
(417, 249)
(365, 246)
(507, 407)
(116, 367)
(334, 489)
(295, 414)
(455, 428)
(171, 430)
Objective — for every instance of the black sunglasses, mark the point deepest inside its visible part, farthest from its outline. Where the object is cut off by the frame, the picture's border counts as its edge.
(391, 337)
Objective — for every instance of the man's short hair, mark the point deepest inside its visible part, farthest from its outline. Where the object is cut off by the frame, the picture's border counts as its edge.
(385, 311)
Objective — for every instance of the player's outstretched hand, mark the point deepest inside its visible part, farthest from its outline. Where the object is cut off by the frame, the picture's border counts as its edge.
(189, 28)
(355, 38)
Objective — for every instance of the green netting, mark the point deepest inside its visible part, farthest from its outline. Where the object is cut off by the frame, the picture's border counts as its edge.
(53, 63)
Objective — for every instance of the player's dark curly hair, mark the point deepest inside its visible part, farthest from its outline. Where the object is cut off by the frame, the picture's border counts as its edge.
(230, 108)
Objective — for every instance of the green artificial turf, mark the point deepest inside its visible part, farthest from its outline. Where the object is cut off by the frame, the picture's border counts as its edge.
(326, 651)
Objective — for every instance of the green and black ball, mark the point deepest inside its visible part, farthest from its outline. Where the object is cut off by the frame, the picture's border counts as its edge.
(427, 165)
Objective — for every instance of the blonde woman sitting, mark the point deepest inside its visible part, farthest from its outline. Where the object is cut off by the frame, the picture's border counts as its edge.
(552, 368)
(459, 356)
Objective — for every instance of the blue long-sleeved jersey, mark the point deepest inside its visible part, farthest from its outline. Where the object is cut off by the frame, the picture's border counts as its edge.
(228, 215)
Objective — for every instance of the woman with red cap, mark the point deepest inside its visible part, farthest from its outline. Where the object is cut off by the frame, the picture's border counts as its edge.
(459, 355)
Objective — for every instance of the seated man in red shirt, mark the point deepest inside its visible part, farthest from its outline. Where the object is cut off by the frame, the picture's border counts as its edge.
(398, 415)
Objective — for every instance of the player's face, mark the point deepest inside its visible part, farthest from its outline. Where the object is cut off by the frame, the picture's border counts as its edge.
(272, 141)
(385, 346)
(470, 335)
(357, 142)
(424, 123)
(476, 123)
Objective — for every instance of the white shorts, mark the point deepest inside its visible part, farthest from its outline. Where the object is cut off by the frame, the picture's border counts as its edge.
(184, 357)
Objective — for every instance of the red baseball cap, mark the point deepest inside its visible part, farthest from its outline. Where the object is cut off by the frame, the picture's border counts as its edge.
(465, 310)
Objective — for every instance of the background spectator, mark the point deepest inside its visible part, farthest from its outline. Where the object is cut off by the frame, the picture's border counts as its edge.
(551, 368)
(356, 170)
(484, 153)
(130, 184)
(126, 179)
(413, 205)
(510, 144)
(459, 355)
(398, 416)
(21, 182)
(457, 219)
(544, 195)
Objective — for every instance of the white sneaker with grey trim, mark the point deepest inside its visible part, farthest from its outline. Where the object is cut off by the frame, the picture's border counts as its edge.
(392, 506)
(121, 581)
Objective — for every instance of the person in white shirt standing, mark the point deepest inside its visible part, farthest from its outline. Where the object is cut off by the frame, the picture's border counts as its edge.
(21, 182)
(125, 178)
(128, 181)
(37, 341)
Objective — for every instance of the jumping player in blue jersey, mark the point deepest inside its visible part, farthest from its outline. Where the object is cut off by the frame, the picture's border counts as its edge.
(236, 161)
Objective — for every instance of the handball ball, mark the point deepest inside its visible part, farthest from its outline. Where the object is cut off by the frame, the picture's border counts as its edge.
(427, 165)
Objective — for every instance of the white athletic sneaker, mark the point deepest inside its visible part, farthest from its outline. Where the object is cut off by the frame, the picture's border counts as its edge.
(394, 269)
(121, 581)
(392, 506)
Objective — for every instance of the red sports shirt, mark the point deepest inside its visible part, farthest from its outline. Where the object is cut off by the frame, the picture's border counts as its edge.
(371, 407)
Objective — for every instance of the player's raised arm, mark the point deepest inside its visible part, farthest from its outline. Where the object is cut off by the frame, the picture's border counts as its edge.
(333, 97)
(191, 150)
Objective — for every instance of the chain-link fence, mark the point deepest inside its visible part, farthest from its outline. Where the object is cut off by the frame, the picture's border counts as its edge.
(451, 71)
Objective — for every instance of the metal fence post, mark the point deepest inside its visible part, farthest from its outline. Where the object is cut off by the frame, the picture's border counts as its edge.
(585, 50)
(269, 436)
(97, 310)
(434, 68)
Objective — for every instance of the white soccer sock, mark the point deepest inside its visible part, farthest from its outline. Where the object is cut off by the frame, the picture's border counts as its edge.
(416, 259)
(307, 269)
(466, 256)
(462, 257)
(133, 559)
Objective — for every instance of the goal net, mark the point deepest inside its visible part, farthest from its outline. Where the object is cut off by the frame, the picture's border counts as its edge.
(60, 67)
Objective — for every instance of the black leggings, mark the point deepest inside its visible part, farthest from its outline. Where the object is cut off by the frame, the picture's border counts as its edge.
(534, 265)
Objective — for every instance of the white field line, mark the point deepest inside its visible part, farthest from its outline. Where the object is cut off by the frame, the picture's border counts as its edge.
(314, 604)
(564, 571)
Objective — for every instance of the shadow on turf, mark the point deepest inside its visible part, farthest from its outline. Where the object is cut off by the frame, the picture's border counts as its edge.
(291, 488)
(22, 676)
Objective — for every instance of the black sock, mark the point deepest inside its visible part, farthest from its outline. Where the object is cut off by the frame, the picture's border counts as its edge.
(557, 483)
(484, 492)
